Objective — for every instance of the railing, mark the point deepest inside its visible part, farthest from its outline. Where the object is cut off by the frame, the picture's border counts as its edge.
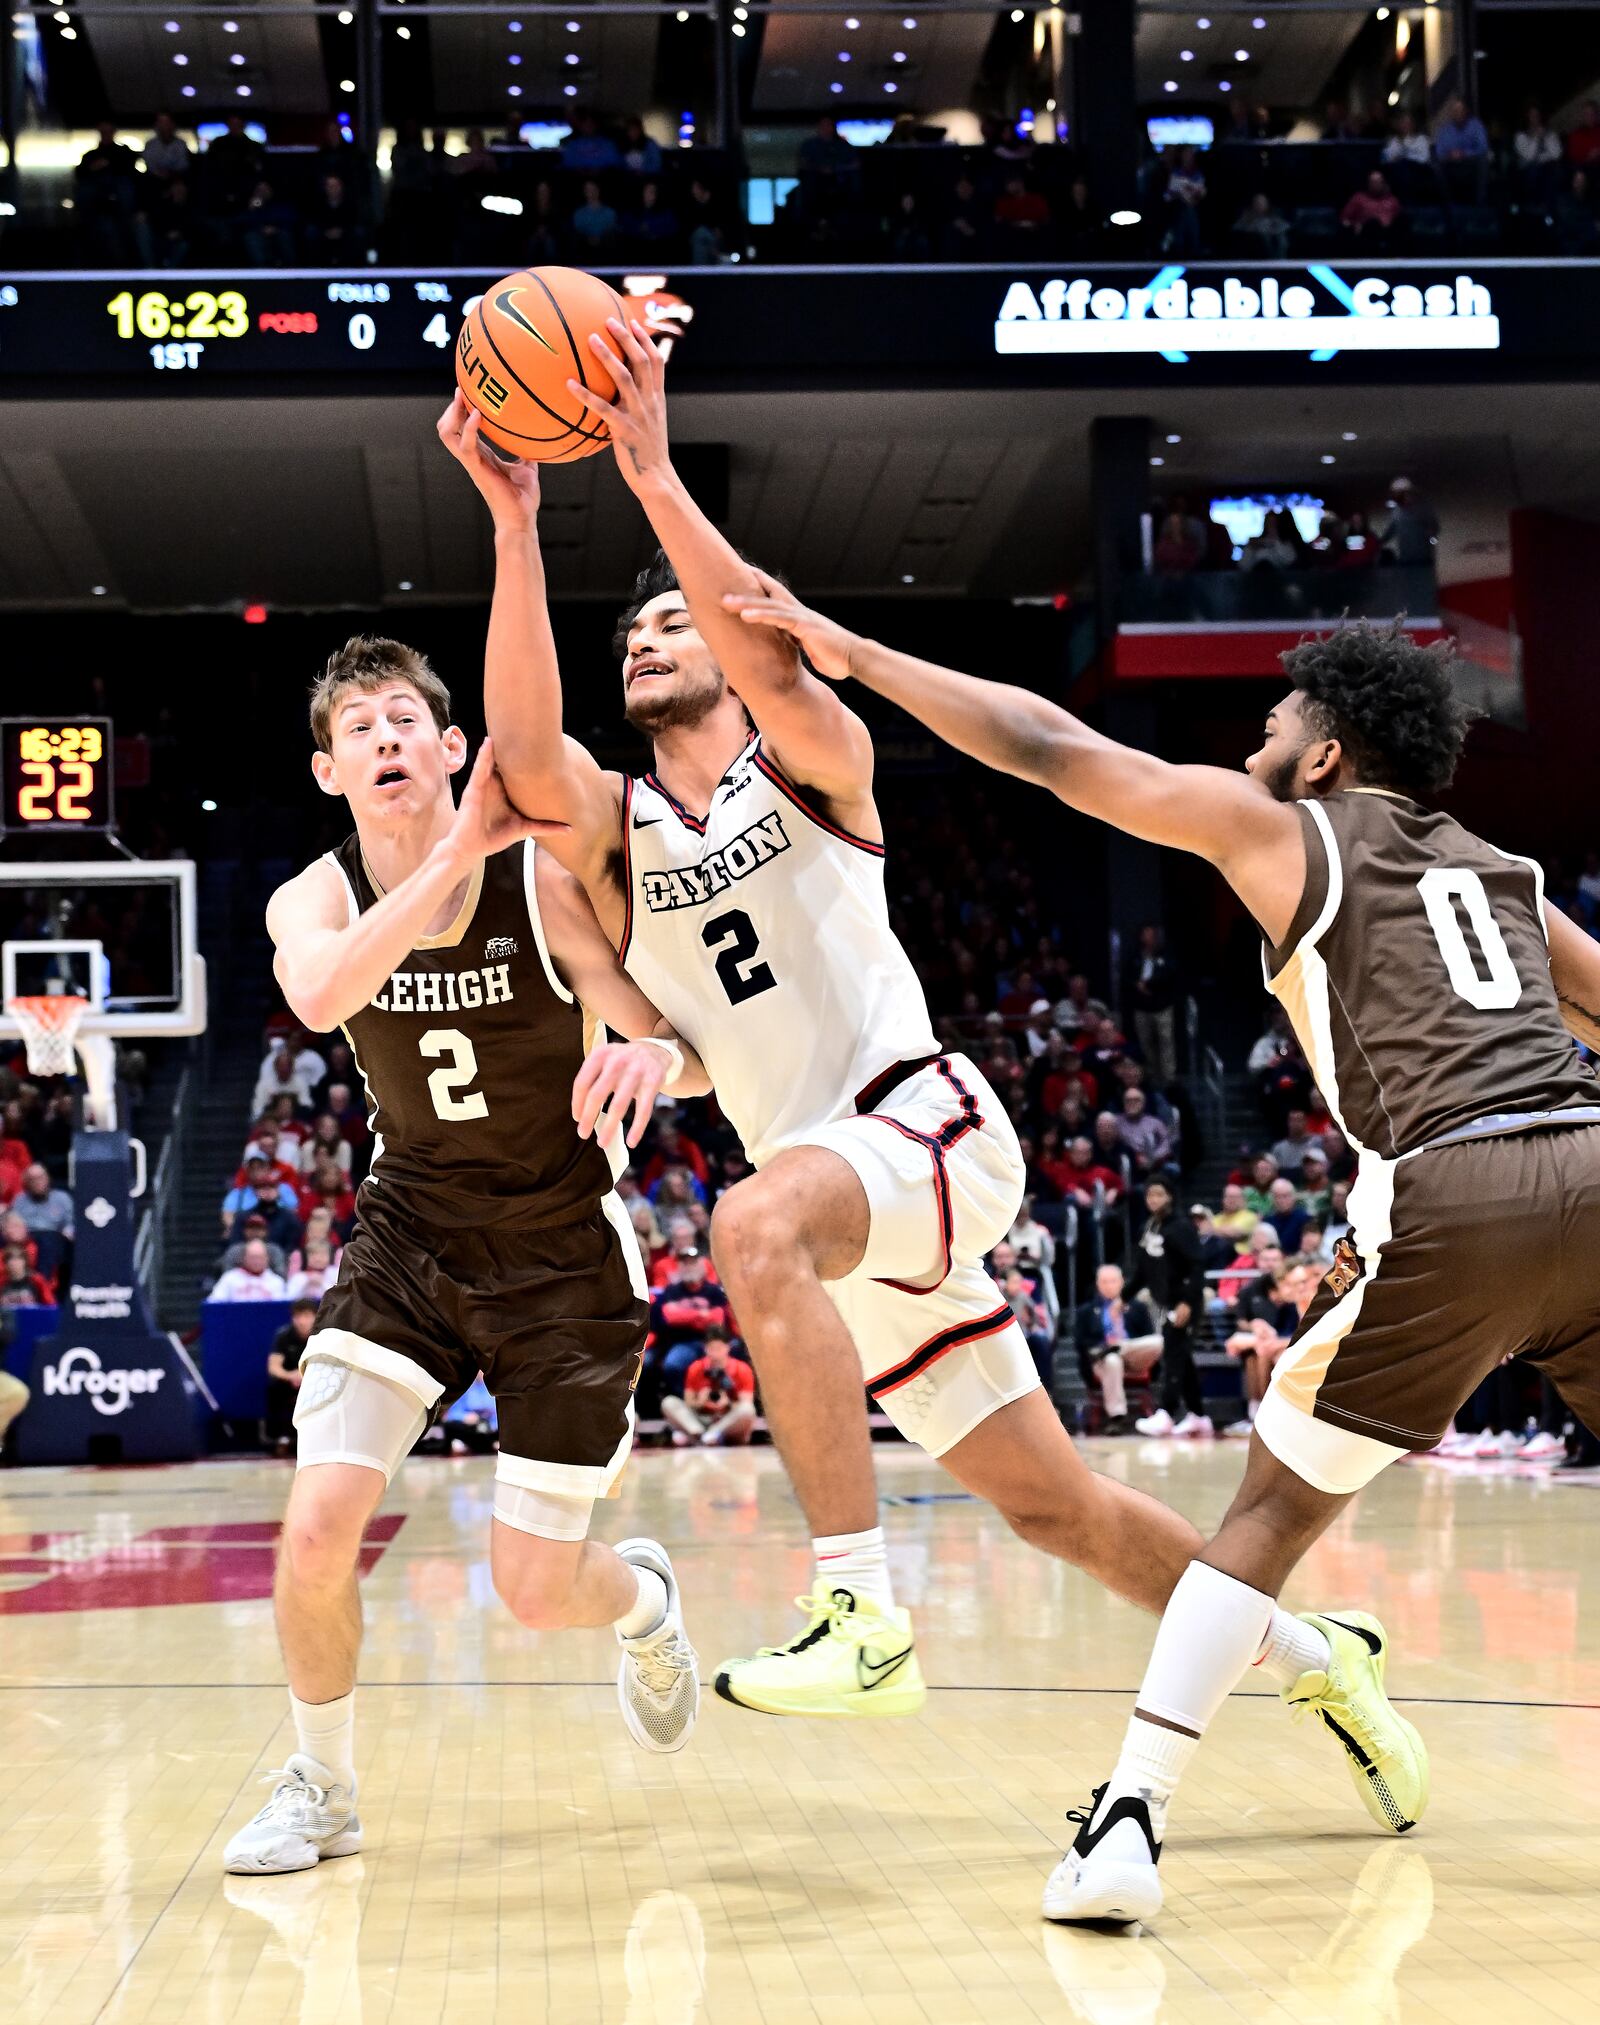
(1224, 597)
(164, 1193)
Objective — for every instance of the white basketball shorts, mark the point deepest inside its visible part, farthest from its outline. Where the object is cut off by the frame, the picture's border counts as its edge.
(944, 1177)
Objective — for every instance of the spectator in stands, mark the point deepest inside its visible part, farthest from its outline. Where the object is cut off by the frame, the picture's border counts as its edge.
(267, 1146)
(674, 1148)
(647, 1229)
(335, 237)
(1462, 147)
(233, 164)
(681, 1313)
(1235, 1220)
(325, 1140)
(1260, 1255)
(681, 1239)
(110, 211)
(1143, 1137)
(1583, 143)
(827, 154)
(278, 1213)
(1370, 214)
(653, 224)
(1316, 1194)
(1180, 203)
(1117, 1340)
(480, 164)
(330, 1190)
(594, 223)
(319, 1230)
(1079, 228)
(908, 234)
(242, 1198)
(174, 227)
(1340, 124)
(967, 223)
(1166, 1266)
(1035, 1247)
(1264, 1320)
(318, 1273)
(1413, 530)
(1216, 1247)
(1290, 1151)
(703, 222)
(1406, 145)
(340, 1069)
(1285, 1214)
(589, 150)
(252, 1279)
(41, 1207)
(411, 191)
(1154, 988)
(1021, 215)
(352, 1119)
(284, 1374)
(166, 153)
(717, 1406)
(291, 1066)
(267, 228)
(20, 1285)
(1263, 228)
(1021, 1297)
(1313, 1249)
(339, 156)
(1536, 150)
(1177, 551)
(639, 153)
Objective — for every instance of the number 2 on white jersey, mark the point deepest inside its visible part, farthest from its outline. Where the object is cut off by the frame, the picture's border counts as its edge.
(1441, 886)
(445, 1084)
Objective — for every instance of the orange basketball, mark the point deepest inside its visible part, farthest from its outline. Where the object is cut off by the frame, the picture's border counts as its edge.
(528, 336)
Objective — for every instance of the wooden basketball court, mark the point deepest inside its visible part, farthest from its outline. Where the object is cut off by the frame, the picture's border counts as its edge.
(524, 1862)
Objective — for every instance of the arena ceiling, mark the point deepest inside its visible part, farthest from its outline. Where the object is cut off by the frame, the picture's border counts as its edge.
(322, 504)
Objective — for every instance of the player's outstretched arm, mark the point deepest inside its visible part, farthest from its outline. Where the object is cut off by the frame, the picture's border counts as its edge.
(1575, 972)
(814, 737)
(1222, 816)
(547, 774)
(620, 1075)
(328, 966)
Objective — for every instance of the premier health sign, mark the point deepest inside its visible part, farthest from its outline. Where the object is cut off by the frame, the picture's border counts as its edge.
(1172, 318)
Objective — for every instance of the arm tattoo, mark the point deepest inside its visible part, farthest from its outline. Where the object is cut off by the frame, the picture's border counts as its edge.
(1581, 1020)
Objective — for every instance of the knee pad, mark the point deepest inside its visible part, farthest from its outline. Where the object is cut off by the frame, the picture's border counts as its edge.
(352, 1416)
(552, 1515)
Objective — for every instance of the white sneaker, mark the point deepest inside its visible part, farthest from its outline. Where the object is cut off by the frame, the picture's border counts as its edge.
(1490, 1447)
(1239, 1430)
(307, 1819)
(1194, 1427)
(658, 1682)
(1540, 1447)
(1110, 1872)
(1159, 1422)
(1455, 1446)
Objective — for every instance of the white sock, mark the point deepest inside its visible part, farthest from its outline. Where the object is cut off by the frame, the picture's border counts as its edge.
(1291, 1648)
(1112, 1386)
(1210, 1631)
(649, 1610)
(326, 1731)
(858, 1562)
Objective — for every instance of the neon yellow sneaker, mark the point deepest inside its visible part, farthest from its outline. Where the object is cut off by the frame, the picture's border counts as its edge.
(852, 1659)
(1388, 1759)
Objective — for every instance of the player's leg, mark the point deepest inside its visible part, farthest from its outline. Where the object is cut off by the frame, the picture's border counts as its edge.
(777, 1237)
(355, 1428)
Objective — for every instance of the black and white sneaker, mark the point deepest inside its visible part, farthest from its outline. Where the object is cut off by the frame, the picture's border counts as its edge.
(658, 1681)
(1110, 1872)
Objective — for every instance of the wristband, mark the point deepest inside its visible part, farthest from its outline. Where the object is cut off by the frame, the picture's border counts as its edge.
(674, 1055)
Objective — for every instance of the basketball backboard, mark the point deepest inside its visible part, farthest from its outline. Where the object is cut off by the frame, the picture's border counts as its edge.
(119, 931)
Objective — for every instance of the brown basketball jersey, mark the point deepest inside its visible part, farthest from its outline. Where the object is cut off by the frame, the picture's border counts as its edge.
(468, 1054)
(1416, 973)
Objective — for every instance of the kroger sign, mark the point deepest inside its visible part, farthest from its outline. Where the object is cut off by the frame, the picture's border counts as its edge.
(1174, 317)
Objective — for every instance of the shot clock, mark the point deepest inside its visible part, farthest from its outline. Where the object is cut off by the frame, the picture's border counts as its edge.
(56, 775)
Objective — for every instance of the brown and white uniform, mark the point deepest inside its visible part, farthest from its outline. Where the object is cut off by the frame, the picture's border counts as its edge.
(1416, 974)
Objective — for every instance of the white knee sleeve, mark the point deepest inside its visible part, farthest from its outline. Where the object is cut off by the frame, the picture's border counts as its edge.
(553, 1515)
(350, 1416)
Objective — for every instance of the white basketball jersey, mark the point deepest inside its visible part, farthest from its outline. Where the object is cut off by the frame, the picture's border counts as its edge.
(763, 935)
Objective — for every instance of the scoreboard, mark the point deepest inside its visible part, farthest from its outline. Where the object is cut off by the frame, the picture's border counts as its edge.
(55, 775)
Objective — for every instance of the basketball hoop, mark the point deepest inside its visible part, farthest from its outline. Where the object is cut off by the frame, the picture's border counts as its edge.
(49, 1030)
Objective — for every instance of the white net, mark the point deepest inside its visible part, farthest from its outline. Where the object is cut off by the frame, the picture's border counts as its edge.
(49, 1030)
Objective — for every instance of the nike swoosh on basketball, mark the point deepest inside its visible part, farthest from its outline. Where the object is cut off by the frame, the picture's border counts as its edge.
(506, 303)
(874, 1672)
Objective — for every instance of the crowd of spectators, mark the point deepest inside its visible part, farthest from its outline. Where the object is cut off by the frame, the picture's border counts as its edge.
(1402, 530)
(1406, 185)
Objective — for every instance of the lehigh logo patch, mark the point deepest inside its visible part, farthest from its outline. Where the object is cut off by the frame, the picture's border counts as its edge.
(1342, 1275)
(499, 947)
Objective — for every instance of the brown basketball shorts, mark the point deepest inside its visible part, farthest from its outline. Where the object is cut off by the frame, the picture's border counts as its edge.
(1461, 1257)
(555, 1318)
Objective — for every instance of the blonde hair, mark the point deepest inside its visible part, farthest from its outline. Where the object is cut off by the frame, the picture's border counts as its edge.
(367, 665)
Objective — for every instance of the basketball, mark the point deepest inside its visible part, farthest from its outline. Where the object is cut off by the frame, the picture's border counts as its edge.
(528, 335)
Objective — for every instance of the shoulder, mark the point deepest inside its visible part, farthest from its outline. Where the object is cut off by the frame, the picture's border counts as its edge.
(319, 896)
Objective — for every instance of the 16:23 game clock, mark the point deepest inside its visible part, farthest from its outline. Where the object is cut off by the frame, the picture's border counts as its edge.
(55, 775)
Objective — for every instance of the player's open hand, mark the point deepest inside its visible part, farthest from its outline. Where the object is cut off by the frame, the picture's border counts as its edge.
(487, 820)
(638, 416)
(511, 490)
(825, 643)
(618, 1077)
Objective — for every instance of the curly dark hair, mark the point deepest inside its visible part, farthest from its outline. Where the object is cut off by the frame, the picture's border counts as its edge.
(657, 576)
(1391, 703)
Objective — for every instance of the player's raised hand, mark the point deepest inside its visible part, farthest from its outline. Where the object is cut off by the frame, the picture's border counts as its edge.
(638, 415)
(617, 1077)
(825, 643)
(487, 820)
(511, 490)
